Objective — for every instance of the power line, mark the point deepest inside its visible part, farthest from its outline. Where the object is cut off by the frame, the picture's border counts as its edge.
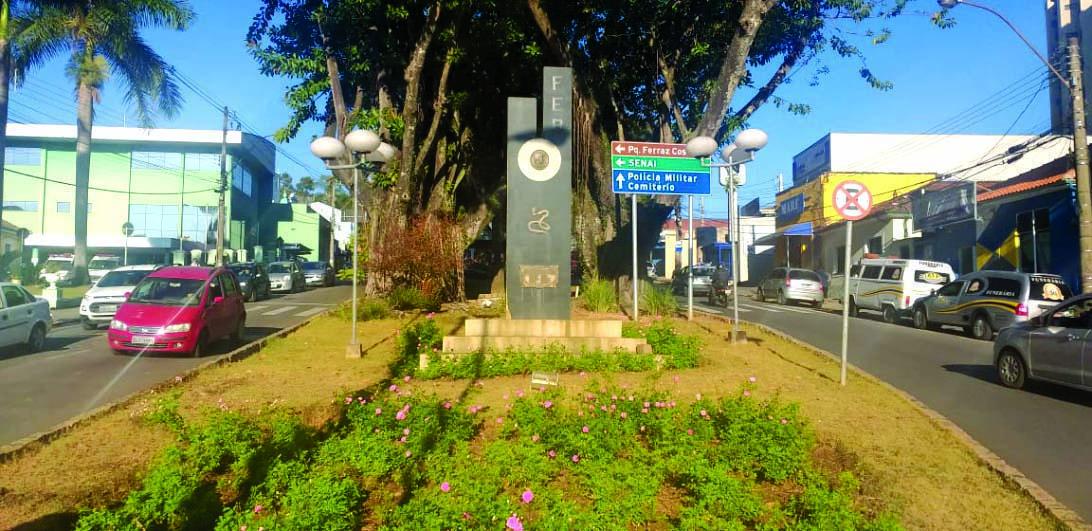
(108, 190)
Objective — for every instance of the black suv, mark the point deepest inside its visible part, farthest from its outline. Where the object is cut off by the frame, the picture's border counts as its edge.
(253, 280)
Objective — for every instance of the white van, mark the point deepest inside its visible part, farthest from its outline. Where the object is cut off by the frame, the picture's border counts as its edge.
(890, 286)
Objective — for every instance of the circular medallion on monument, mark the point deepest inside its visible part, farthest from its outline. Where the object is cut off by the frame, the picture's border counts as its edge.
(539, 159)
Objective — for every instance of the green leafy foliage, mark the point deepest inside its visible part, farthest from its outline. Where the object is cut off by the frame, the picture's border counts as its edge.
(367, 309)
(657, 300)
(410, 298)
(677, 350)
(597, 295)
(605, 458)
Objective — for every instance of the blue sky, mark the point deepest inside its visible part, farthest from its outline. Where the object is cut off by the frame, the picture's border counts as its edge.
(937, 74)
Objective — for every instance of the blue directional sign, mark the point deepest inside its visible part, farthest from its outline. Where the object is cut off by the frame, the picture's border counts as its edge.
(656, 169)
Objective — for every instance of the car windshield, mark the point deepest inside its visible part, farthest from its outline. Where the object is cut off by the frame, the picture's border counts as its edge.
(53, 266)
(279, 267)
(242, 272)
(703, 271)
(103, 263)
(314, 266)
(800, 274)
(168, 291)
(114, 279)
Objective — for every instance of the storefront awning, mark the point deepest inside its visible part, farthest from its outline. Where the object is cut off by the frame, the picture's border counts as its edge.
(800, 229)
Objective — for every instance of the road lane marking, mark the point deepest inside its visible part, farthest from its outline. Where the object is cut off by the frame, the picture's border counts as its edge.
(256, 308)
(763, 308)
(280, 310)
(309, 313)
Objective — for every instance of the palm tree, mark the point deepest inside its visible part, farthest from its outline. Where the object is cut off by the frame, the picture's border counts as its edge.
(103, 39)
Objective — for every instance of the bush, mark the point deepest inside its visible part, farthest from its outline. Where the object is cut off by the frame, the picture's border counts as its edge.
(410, 298)
(678, 351)
(657, 300)
(367, 309)
(598, 296)
(426, 254)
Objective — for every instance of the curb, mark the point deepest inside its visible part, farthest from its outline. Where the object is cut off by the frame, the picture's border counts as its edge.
(1062, 515)
(26, 444)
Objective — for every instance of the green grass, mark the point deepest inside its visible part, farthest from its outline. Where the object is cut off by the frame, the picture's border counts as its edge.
(598, 296)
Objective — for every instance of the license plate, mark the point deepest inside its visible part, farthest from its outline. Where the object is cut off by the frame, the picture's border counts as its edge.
(143, 340)
(108, 308)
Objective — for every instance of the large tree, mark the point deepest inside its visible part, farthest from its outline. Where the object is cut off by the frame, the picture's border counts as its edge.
(432, 75)
(102, 38)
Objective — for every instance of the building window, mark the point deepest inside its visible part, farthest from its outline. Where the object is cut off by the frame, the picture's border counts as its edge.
(875, 245)
(23, 156)
(202, 162)
(199, 223)
(21, 206)
(64, 207)
(154, 221)
(840, 259)
(1033, 227)
(157, 160)
(241, 179)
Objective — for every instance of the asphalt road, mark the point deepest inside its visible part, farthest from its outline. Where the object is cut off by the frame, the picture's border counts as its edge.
(77, 371)
(1044, 430)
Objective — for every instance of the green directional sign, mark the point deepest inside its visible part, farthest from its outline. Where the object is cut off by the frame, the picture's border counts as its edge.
(657, 163)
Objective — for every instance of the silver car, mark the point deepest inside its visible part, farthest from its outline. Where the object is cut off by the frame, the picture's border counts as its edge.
(1053, 347)
(703, 279)
(986, 301)
(788, 284)
(286, 276)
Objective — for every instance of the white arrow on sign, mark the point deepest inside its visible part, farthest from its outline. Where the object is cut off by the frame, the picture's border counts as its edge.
(620, 180)
(620, 162)
(620, 148)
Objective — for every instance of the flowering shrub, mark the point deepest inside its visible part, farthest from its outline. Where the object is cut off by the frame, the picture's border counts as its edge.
(425, 254)
(420, 337)
(605, 459)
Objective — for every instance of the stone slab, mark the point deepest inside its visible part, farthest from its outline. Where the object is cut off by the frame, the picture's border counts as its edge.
(462, 344)
(548, 328)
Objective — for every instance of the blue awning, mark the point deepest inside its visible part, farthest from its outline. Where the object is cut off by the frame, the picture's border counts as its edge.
(800, 229)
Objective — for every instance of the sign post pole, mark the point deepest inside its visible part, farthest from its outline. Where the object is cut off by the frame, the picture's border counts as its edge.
(845, 299)
(852, 201)
(633, 224)
(690, 258)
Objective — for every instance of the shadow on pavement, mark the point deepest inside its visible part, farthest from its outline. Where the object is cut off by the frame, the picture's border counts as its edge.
(52, 344)
(987, 373)
(223, 346)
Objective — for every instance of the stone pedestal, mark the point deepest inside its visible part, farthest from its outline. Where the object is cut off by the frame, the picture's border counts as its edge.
(574, 335)
(52, 294)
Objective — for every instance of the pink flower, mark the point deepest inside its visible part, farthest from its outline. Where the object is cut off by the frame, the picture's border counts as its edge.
(466, 515)
(784, 421)
(348, 400)
(547, 404)
(445, 486)
(519, 393)
(676, 378)
(614, 397)
(527, 496)
(408, 454)
(690, 432)
(407, 379)
(500, 420)
(514, 524)
(623, 415)
(704, 413)
(505, 396)
(406, 431)
(644, 410)
(584, 429)
(393, 388)
(583, 374)
(258, 509)
(746, 393)
(576, 458)
(552, 454)
(447, 405)
(402, 439)
(752, 379)
(401, 415)
(534, 438)
(648, 404)
(378, 411)
(430, 315)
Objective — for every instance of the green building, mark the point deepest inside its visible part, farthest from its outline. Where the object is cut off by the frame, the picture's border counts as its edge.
(163, 181)
(304, 232)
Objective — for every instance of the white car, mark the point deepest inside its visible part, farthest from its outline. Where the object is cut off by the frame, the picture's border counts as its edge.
(101, 301)
(24, 319)
(100, 265)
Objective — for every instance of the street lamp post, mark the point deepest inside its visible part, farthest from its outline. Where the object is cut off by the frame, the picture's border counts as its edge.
(1075, 86)
(736, 154)
(358, 142)
(127, 230)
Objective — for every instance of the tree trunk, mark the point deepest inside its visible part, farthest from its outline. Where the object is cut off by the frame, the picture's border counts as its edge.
(734, 66)
(406, 186)
(84, 109)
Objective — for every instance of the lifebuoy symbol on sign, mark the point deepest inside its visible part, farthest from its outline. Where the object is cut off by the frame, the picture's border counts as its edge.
(852, 200)
(539, 159)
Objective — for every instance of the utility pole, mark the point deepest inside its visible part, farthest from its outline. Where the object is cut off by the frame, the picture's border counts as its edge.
(780, 183)
(331, 184)
(223, 189)
(1080, 150)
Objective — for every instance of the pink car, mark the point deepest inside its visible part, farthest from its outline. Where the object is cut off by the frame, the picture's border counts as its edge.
(180, 309)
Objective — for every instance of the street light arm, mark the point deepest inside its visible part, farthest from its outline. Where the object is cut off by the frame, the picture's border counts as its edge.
(1065, 82)
(730, 164)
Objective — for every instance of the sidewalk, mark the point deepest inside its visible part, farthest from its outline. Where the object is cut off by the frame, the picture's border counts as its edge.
(66, 316)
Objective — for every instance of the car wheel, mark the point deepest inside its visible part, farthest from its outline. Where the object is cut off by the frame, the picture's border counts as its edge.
(1011, 370)
(89, 325)
(921, 321)
(981, 328)
(238, 336)
(853, 310)
(201, 346)
(36, 341)
(781, 298)
(759, 295)
(252, 295)
(890, 316)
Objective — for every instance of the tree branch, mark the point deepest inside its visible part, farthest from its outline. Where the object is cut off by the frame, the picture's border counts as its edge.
(668, 97)
(768, 89)
(438, 114)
